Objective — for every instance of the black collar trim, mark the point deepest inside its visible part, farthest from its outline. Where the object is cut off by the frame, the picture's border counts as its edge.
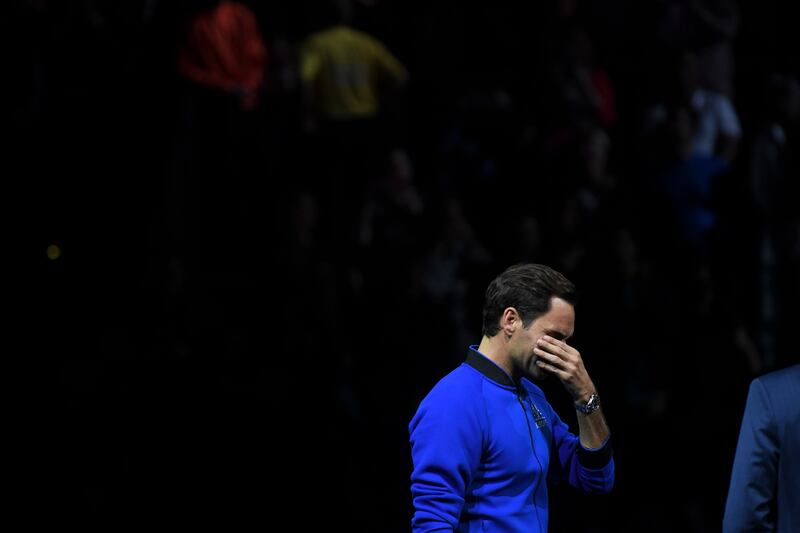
(488, 368)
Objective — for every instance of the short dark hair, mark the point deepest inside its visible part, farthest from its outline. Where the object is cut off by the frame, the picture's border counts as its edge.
(528, 288)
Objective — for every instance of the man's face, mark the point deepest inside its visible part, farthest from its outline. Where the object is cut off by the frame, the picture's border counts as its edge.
(558, 322)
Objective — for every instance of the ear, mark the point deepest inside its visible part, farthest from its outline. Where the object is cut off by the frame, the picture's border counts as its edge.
(510, 321)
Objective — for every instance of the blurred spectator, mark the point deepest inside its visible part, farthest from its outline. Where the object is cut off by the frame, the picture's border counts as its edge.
(223, 50)
(717, 24)
(456, 253)
(346, 72)
(587, 86)
(478, 136)
(687, 183)
(717, 130)
(598, 189)
(769, 177)
(347, 79)
(708, 27)
(581, 94)
(221, 62)
(773, 189)
(392, 204)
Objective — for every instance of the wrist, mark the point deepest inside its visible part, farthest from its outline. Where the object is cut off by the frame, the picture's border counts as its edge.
(583, 397)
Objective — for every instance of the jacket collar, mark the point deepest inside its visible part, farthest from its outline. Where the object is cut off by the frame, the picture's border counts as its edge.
(488, 368)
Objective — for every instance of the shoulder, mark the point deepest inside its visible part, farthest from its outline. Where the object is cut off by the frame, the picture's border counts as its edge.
(788, 375)
(455, 401)
(780, 385)
(463, 384)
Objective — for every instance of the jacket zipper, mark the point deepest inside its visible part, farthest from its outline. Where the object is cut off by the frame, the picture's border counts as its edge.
(533, 448)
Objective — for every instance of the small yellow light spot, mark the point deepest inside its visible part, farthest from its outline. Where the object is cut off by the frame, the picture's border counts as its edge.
(53, 252)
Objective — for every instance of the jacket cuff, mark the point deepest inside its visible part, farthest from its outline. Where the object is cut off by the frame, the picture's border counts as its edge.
(595, 458)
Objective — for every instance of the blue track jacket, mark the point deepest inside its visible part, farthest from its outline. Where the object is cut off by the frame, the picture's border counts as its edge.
(484, 448)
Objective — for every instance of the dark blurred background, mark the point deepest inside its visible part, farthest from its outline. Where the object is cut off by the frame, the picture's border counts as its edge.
(245, 278)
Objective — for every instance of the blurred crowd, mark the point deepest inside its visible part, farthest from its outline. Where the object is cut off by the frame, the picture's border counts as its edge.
(276, 221)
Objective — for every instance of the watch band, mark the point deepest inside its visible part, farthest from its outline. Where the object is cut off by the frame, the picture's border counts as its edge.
(591, 405)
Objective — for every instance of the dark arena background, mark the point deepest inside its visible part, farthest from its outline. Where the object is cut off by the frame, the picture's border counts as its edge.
(241, 288)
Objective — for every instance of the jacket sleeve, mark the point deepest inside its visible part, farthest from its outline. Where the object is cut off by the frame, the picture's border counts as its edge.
(754, 476)
(446, 442)
(588, 470)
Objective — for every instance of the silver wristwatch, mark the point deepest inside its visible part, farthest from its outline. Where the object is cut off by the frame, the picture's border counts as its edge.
(591, 405)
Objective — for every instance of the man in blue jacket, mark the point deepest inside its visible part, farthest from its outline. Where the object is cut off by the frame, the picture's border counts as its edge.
(764, 494)
(485, 442)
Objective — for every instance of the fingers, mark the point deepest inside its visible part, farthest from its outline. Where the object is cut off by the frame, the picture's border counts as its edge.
(556, 347)
(554, 361)
(549, 367)
(557, 357)
(562, 360)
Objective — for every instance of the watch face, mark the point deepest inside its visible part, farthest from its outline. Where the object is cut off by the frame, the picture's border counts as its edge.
(591, 404)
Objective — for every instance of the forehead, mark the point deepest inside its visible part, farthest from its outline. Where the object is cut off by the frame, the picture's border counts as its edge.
(560, 318)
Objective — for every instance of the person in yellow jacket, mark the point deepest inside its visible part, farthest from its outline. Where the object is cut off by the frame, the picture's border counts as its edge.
(344, 72)
(350, 81)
